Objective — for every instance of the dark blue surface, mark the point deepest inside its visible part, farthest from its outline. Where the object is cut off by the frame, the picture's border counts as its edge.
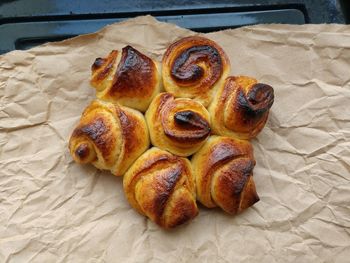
(26, 23)
(318, 11)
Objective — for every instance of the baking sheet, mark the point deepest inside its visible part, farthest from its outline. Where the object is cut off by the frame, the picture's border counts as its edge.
(54, 210)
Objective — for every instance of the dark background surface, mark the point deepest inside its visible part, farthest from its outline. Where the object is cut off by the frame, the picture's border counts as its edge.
(27, 23)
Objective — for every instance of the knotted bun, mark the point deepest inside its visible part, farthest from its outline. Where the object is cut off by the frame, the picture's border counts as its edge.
(160, 186)
(241, 107)
(223, 171)
(109, 136)
(129, 77)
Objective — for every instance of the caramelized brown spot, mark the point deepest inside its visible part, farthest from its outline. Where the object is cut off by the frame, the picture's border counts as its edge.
(256, 102)
(165, 186)
(135, 74)
(85, 153)
(185, 69)
(96, 131)
(128, 129)
(261, 94)
(249, 195)
(184, 210)
(82, 151)
(231, 182)
(156, 163)
(106, 64)
(163, 100)
(98, 63)
(244, 169)
(191, 120)
(222, 153)
(191, 126)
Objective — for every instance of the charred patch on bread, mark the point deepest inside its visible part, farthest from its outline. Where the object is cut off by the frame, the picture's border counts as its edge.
(136, 75)
(185, 69)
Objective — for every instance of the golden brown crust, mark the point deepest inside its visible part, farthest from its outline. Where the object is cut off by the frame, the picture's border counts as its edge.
(100, 133)
(134, 76)
(180, 125)
(160, 185)
(102, 67)
(194, 67)
(131, 78)
(223, 170)
(241, 107)
(110, 137)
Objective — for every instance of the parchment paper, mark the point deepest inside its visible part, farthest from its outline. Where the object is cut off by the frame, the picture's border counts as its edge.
(53, 210)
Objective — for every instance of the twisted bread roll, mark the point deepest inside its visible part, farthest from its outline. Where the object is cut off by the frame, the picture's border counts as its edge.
(223, 170)
(194, 67)
(180, 125)
(129, 78)
(241, 107)
(160, 186)
(110, 137)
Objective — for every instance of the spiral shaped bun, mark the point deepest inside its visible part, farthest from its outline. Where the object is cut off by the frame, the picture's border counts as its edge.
(110, 137)
(194, 67)
(179, 126)
(160, 186)
(241, 107)
(128, 77)
(223, 170)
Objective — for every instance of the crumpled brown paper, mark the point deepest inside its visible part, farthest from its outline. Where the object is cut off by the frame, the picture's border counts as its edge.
(53, 210)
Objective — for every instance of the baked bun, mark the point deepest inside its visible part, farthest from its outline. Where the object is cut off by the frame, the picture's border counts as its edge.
(129, 77)
(241, 107)
(223, 171)
(179, 126)
(194, 67)
(160, 186)
(109, 136)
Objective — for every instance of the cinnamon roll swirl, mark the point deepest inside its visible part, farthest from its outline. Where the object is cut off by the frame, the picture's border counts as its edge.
(179, 126)
(194, 67)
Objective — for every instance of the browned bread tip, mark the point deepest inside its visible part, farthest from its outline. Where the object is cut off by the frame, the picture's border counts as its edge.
(129, 77)
(241, 107)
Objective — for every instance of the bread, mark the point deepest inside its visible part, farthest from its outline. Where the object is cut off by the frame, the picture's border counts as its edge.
(179, 126)
(129, 77)
(223, 171)
(160, 186)
(194, 67)
(159, 182)
(109, 136)
(241, 107)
